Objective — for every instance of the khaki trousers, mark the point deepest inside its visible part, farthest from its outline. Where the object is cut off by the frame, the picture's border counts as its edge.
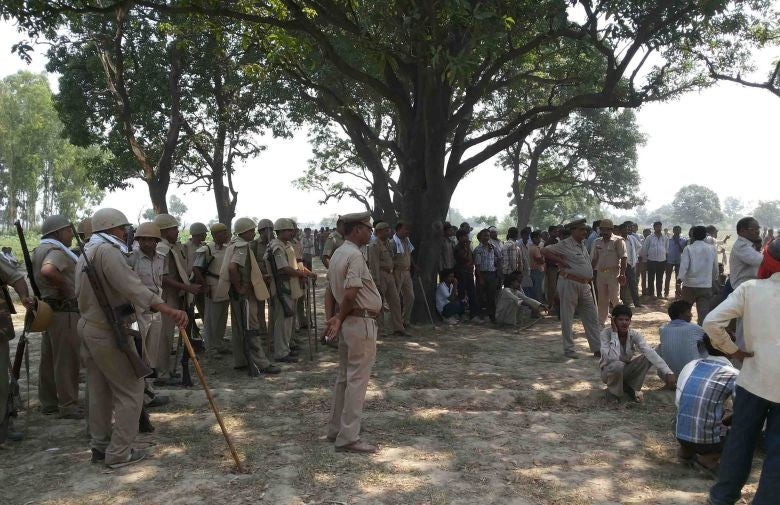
(58, 373)
(215, 323)
(261, 317)
(390, 295)
(403, 282)
(608, 289)
(357, 353)
(702, 297)
(632, 374)
(256, 353)
(149, 325)
(114, 392)
(163, 360)
(577, 296)
(283, 327)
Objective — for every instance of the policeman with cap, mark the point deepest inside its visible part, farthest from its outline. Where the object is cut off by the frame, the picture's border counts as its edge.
(609, 261)
(285, 271)
(149, 266)
(265, 232)
(178, 292)
(574, 289)
(207, 265)
(333, 242)
(84, 230)
(241, 282)
(353, 289)
(198, 232)
(115, 393)
(380, 261)
(54, 269)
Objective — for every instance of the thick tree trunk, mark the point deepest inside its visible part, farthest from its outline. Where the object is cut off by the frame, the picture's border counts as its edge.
(158, 192)
(226, 203)
(525, 202)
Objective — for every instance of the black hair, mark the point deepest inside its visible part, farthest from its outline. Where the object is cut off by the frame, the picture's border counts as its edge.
(525, 230)
(461, 233)
(596, 223)
(536, 233)
(745, 223)
(511, 233)
(509, 279)
(677, 308)
(710, 348)
(552, 228)
(399, 225)
(445, 273)
(659, 223)
(711, 228)
(698, 232)
(621, 310)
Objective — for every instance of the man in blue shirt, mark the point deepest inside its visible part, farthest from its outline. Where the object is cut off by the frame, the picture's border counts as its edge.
(681, 340)
(673, 255)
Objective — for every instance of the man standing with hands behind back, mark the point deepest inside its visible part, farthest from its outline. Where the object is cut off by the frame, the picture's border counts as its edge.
(352, 287)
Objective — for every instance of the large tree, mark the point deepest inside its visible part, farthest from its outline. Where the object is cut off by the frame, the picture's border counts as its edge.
(462, 81)
(592, 152)
(41, 173)
(768, 213)
(696, 205)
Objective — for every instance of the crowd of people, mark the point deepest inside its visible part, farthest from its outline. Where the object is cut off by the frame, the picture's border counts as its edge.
(262, 275)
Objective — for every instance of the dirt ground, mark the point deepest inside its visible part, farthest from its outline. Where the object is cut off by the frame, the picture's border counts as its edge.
(463, 415)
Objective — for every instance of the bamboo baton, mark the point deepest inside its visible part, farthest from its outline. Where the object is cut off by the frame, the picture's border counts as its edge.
(186, 339)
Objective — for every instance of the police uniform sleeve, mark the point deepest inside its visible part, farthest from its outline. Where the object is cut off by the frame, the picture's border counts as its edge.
(620, 248)
(8, 274)
(280, 258)
(57, 258)
(356, 270)
(124, 280)
(239, 255)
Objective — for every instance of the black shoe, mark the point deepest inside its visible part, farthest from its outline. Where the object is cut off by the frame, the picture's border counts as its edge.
(295, 353)
(170, 381)
(144, 424)
(295, 348)
(97, 456)
(158, 401)
(287, 359)
(271, 370)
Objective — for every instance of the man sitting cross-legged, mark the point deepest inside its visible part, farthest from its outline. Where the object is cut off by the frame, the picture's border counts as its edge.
(511, 298)
(621, 370)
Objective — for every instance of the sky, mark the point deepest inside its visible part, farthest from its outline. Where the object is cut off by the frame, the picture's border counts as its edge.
(724, 138)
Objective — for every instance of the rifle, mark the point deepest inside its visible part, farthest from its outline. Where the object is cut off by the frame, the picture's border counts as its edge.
(125, 337)
(288, 312)
(243, 306)
(14, 395)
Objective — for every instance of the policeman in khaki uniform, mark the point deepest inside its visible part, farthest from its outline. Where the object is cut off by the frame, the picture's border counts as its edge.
(9, 276)
(149, 266)
(333, 242)
(198, 232)
(574, 289)
(84, 229)
(114, 391)
(380, 261)
(241, 282)
(265, 231)
(352, 287)
(609, 258)
(282, 253)
(177, 292)
(207, 265)
(54, 267)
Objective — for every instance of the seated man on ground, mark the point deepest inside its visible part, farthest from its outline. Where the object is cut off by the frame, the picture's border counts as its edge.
(447, 303)
(621, 370)
(681, 340)
(510, 299)
(704, 387)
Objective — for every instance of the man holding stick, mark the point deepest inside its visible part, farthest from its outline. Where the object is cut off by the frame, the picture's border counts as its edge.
(115, 390)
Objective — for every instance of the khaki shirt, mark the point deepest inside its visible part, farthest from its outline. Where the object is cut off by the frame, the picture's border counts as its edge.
(208, 259)
(347, 270)
(280, 251)
(148, 269)
(402, 260)
(576, 255)
(333, 242)
(260, 248)
(240, 257)
(606, 254)
(190, 250)
(8, 276)
(120, 284)
(48, 254)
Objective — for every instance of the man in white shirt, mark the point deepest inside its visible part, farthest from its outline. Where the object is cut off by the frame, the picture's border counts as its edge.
(654, 251)
(447, 304)
(630, 290)
(757, 398)
(698, 273)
